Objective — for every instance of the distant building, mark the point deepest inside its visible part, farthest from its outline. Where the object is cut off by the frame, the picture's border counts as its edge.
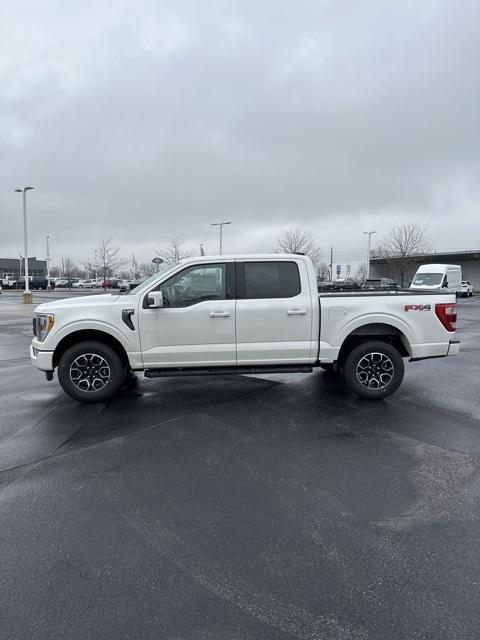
(381, 267)
(11, 267)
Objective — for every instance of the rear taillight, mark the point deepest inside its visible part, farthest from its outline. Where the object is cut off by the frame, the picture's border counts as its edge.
(447, 314)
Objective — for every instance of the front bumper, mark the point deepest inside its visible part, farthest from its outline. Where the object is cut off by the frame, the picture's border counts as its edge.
(43, 360)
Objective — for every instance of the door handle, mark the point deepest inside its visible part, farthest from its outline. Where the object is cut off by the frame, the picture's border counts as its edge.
(297, 312)
(219, 314)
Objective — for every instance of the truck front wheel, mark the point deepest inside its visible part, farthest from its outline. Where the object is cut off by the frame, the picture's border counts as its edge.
(373, 370)
(91, 372)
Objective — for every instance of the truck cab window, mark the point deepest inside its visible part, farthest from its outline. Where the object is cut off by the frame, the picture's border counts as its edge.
(193, 285)
(271, 280)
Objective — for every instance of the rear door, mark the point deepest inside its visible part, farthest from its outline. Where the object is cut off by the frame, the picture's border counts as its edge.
(274, 312)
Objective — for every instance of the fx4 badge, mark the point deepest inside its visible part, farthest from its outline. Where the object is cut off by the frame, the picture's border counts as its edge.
(417, 307)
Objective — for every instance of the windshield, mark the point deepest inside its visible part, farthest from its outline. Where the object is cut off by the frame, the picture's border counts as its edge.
(428, 279)
(163, 269)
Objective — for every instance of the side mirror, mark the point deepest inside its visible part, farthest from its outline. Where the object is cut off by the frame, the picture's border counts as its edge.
(155, 300)
(445, 284)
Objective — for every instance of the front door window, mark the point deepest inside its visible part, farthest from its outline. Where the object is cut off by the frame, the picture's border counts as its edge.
(193, 285)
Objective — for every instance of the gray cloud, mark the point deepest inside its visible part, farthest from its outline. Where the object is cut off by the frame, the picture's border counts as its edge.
(145, 120)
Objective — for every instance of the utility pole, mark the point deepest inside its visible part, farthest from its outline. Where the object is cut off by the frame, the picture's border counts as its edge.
(202, 250)
(220, 226)
(26, 295)
(370, 234)
(49, 286)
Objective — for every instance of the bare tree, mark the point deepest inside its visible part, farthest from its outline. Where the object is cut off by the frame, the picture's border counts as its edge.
(299, 241)
(403, 242)
(175, 250)
(323, 272)
(361, 273)
(55, 272)
(107, 259)
(89, 268)
(147, 269)
(69, 270)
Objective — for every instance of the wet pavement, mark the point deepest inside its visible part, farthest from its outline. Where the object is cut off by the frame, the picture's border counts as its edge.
(240, 507)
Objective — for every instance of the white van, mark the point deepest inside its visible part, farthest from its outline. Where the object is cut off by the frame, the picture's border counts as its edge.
(444, 277)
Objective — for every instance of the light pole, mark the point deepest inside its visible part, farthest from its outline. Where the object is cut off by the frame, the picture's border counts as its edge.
(157, 262)
(26, 296)
(49, 286)
(220, 226)
(370, 234)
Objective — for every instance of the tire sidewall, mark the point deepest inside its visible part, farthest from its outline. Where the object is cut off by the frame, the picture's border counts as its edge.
(117, 372)
(354, 357)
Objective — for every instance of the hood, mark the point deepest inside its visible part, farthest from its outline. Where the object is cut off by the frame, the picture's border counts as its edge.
(80, 301)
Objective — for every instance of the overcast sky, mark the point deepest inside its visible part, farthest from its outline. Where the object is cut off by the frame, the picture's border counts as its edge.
(145, 119)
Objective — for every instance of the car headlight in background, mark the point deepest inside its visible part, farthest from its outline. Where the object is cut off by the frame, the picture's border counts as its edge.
(43, 325)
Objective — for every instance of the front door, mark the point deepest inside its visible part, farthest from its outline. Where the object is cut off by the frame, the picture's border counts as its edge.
(196, 325)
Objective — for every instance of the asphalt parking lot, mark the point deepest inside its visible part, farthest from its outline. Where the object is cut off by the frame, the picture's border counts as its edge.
(240, 507)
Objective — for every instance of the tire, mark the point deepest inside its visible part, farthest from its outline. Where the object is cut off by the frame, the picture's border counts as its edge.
(91, 372)
(373, 370)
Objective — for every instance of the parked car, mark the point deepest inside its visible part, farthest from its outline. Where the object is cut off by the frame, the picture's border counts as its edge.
(110, 283)
(240, 314)
(64, 283)
(9, 283)
(338, 285)
(466, 290)
(34, 282)
(379, 283)
(135, 283)
(124, 285)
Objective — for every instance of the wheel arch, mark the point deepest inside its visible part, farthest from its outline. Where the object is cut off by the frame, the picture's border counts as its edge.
(375, 331)
(83, 335)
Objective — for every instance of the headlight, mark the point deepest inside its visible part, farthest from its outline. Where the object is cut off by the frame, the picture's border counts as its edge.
(43, 326)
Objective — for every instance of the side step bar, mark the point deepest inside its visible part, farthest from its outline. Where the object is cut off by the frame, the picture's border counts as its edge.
(223, 371)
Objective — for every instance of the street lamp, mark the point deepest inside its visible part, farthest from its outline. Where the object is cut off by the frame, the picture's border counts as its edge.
(157, 262)
(26, 296)
(220, 226)
(49, 286)
(370, 234)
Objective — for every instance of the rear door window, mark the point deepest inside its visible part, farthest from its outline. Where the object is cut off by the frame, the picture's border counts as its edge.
(271, 280)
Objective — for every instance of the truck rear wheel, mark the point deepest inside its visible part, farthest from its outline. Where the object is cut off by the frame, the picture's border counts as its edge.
(91, 372)
(373, 370)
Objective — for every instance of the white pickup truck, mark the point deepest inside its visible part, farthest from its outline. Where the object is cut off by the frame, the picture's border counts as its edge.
(247, 314)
